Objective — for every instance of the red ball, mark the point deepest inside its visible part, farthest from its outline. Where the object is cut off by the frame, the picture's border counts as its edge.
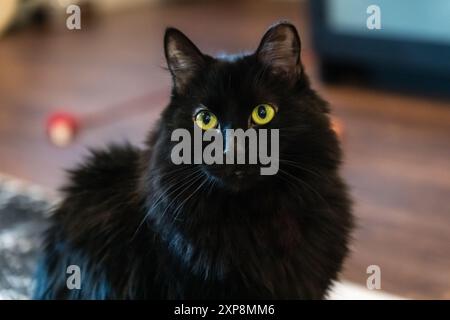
(62, 128)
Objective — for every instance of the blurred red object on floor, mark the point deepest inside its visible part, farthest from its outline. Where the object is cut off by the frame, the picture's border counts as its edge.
(62, 128)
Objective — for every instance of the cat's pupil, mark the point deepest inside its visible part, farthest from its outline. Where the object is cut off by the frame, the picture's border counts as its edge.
(262, 113)
(206, 118)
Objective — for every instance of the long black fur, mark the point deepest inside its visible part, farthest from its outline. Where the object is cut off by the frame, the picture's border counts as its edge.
(140, 227)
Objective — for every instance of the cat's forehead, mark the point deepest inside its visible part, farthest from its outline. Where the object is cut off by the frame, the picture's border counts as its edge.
(233, 73)
(233, 84)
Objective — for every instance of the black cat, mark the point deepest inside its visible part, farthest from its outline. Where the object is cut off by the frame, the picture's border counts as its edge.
(140, 227)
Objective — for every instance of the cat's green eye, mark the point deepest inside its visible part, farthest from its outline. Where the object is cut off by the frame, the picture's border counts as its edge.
(263, 114)
(206, 120)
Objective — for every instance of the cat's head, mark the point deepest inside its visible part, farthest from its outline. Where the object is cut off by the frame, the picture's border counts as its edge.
(267, 89)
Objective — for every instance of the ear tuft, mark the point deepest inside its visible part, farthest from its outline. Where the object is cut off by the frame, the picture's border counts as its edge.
(280, 49)
(184, 59)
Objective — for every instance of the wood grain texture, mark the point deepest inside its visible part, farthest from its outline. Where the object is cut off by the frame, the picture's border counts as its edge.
(397, 147)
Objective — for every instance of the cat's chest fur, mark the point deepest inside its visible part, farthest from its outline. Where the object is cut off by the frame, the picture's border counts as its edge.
(251, 249)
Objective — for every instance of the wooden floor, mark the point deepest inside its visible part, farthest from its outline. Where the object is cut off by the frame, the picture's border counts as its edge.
(397, 146)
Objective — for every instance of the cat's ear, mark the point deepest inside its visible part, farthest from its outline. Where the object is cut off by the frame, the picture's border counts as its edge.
(184, 59)
(280, 50)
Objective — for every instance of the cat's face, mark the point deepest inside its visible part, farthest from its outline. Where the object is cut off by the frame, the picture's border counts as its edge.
(265, 90)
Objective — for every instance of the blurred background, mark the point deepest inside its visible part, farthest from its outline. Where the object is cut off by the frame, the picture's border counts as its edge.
(385, 71)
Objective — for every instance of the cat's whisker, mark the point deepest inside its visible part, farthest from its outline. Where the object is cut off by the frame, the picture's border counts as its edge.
(164, 195)
(176, 211)
(186, 187)
(290, 183)
(298, 166)
(307, 185)
(173, 187)
(156, 174)
(181, 187)
(212, 185)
